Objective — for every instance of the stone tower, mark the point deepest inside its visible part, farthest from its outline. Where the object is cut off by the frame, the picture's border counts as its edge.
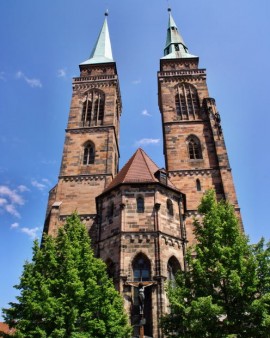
(194, 148)
(91, 149)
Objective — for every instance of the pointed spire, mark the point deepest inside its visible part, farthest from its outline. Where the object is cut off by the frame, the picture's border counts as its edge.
(102, 51)
(175, 47)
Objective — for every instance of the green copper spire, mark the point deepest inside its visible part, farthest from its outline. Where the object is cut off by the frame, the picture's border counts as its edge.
(102, 52)
(175, 47)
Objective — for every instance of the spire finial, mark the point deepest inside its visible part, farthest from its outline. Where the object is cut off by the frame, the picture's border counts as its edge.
(169, 9)
(106, 13)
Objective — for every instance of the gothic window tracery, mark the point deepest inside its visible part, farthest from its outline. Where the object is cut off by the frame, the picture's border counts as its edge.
(93, 108)
(141, 268)
(89, 154)
(194, 148)
(187, 102)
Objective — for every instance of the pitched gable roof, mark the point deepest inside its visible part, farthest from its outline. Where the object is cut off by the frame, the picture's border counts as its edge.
(139, 169)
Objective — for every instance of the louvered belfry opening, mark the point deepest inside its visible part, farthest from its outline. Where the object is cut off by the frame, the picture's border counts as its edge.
(187, 102)
(93, 109)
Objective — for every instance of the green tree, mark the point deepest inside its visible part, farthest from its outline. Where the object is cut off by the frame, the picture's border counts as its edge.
(65, 291)
(225, 290)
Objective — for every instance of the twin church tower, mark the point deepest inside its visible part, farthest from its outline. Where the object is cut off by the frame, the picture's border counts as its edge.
(140, 218)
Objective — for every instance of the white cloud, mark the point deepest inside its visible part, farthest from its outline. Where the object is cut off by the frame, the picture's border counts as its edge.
(22, 188)
(34, 83)
(61, 72)
(136, 82)
(147, 141)
(46, 181)
(145, 113)
(14, 197)
(31, 232)
(11, 199)
(3, 201)
(11, 209)
(14, 225)
(38, 185)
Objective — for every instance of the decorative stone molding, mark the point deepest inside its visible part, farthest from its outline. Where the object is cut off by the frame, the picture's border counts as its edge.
(84, 217)
(184, 78)
(170, 241)
(94, 78)
(190, 213)
(94, 85)
(83, 178)
(182, 72)
(90, 130)
(196, 172)
(140, 238)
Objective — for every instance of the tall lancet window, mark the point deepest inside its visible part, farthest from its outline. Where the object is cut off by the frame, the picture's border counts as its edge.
(194, 148)
(187, 103)
(93, 109)
(88, 153)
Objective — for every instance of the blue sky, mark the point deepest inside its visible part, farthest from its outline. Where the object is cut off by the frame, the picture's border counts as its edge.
(43, 43)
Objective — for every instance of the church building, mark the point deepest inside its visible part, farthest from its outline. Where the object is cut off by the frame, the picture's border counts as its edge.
(140, 218)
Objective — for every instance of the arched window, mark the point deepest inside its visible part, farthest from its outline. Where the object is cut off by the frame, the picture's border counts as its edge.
(169, 207)
(187, 103)
(194, 148)
(89, 153)
(141, 268)
(93, 108)
(140, 204)
(198, 185)
(173, 267)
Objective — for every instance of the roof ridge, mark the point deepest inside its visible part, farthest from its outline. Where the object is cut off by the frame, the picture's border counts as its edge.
(145, 156)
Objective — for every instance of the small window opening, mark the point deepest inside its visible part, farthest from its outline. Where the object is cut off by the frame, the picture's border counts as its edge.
(198, 185)
(140, 204)
(194, 149)
(170, 207)
(89, 154)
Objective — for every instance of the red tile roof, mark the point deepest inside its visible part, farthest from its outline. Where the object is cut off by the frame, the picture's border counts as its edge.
(139, 169)
(5, 329)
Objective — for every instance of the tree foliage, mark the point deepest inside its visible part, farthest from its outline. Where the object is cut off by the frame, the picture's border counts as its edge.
(225, 291)
(65, 291)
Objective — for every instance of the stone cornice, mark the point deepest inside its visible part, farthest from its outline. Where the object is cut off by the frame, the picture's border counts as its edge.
(83, 217)
(82, 177)
(191, 172)
(89, 130)
(183, 78)
(87, 79)
(189, 72)
(142, 237)
(97, 84)
(177, 122)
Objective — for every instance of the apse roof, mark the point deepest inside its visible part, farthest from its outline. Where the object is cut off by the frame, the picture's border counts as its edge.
(139, 169)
